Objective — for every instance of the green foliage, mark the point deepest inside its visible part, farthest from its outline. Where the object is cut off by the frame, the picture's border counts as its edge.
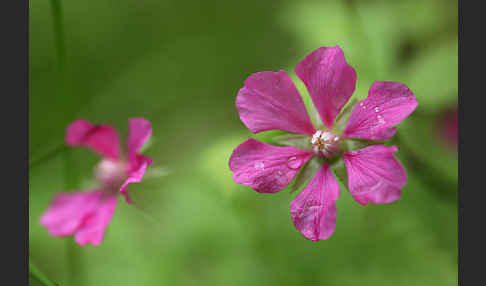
(180, 64)
(305, 173)
(296, 140)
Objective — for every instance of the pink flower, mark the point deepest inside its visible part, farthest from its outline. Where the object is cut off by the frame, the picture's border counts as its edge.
(85, 214)
(269, 100)
(448, 127)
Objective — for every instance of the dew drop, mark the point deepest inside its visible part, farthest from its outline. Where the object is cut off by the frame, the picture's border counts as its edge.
(377, 109)
(294, 162)
(281, 178)
(380, 119)
(259, 165)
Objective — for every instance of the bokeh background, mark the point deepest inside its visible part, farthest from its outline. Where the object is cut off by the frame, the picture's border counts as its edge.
(180, 65)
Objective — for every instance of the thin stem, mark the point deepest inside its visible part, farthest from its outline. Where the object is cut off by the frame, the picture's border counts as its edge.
(61, 60)
(39, 276)
(146, 215)
(48, 156)
(59, 34)
(71, 178)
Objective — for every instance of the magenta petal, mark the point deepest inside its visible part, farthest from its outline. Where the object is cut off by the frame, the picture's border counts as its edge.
(374, 175)
(269, 100)
(83, 214)
(102, 139)
(387, 104)
(135, 173)
(313, 211)
(93, 227)
(329, 80)
(266, 168)
(140, 131)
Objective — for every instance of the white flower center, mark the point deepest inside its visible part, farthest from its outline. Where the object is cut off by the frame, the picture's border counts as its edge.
(111, 173)
(325, 143)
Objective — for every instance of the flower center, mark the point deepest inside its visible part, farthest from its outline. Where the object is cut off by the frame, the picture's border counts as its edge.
(111, 173)
(325, 143)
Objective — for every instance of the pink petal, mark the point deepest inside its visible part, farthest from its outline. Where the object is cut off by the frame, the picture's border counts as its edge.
(83, 214)
(329, 80)
(93, 226)
(140, 131)
(388, 103)
(313, 211)
(374, 175)
(135, 173)
(102, 139)
(266, 168)
(269, 100)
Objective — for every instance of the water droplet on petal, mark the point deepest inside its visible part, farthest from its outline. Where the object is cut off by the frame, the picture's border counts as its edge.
(294, 162)
(259, 165)
(377, 109)
(380, 119)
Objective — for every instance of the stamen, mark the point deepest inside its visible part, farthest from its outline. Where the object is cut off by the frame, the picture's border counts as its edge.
(325, 143)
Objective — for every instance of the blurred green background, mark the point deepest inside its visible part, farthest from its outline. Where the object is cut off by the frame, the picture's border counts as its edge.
(180, 65)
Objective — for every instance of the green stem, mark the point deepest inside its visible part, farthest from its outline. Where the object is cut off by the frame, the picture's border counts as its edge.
(71, 178)
(61, 60)
(39, 276)
(46, 157)
(59, 34)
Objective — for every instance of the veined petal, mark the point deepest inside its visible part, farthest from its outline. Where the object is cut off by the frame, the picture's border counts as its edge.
(266, 168)
(313, 211)
(83, 214)
(102, 139)
(387, 104)
(270, 100)
(329, 80)
(374, 175)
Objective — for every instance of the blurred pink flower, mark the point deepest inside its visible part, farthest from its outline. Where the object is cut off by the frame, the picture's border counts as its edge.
(85, 214)
(269, 100)
(448, 127)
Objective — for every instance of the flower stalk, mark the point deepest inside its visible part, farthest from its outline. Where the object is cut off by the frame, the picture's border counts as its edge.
(40, 277)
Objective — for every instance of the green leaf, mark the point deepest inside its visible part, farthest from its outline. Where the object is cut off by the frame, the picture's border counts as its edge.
(296, 140)
(339, 169)
(309, 104)
(356, 144)
(343, 116)
(307, 171)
